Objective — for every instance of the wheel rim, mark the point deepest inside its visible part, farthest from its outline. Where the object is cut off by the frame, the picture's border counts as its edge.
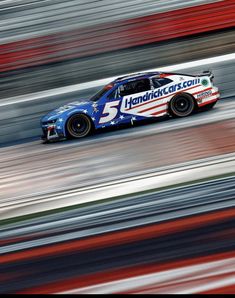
(182, 106)
(79, 126)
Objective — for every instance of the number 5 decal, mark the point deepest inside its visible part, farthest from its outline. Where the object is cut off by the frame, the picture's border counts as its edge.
(110, 109)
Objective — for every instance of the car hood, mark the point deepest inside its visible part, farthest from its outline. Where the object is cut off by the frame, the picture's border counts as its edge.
(77, 105)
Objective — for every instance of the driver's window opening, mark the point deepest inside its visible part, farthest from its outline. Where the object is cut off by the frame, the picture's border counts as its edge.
(113, 94)
(159, 82)
(134, 87)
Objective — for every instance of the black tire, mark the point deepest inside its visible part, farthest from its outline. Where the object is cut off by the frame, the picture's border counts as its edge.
(182, 105)
(79, 126)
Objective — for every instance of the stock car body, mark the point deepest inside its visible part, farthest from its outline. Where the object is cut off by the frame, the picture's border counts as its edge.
(130, 99)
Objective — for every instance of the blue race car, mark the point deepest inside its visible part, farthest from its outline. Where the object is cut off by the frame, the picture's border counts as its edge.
(129, 99)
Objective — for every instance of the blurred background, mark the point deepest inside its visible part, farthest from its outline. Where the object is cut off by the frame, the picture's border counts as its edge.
(47, 44)
(148, 209)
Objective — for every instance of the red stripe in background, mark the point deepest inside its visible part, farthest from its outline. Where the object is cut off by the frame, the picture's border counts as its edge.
(119, 35)
(118, 238)
(178, 285)
(222, 290)
(118, 274)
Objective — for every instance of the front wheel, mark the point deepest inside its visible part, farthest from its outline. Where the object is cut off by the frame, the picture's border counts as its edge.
(79, 126)
(182, 105)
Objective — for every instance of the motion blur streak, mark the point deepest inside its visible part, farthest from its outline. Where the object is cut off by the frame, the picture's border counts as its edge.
(185, 280)
(116, 63)
(180, 234)
(100, 38)
(73, 165)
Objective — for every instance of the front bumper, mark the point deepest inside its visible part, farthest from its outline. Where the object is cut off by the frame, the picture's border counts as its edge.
(50, 133)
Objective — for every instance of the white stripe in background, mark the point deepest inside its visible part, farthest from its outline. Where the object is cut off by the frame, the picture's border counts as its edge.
(38, 20)
(18, 3)
(168, 278)
(98, 83)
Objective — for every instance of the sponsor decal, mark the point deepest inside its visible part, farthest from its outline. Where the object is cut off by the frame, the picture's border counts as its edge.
(204, 94)
(205, 82)
(131, 102)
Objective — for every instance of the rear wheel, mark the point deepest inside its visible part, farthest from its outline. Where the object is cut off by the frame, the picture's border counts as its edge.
(182, 105)
(79, 126)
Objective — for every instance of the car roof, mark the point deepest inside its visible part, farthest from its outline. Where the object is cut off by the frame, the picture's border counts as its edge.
(135, 76)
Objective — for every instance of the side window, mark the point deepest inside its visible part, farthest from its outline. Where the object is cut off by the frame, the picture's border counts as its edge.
(158, 82)
(134, 87)
(113, 94)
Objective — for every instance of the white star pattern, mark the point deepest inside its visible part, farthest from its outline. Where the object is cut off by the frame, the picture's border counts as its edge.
(121, 117)
(133, 118)
(93, 118)
(112, 123)
(85, 111)
(61, 120)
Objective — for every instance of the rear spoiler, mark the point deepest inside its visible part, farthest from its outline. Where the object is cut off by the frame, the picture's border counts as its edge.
(206, 73)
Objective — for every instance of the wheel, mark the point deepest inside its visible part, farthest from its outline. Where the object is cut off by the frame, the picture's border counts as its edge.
(79, 126)
(182, 105)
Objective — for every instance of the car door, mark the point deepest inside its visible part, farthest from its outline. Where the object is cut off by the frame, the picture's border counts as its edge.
(109, 106)
(134, 94)
(113, 112)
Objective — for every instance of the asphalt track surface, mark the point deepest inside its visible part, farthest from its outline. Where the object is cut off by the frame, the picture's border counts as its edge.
(120, 239)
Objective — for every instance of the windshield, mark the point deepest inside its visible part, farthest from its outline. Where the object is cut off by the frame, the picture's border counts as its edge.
(100, 93)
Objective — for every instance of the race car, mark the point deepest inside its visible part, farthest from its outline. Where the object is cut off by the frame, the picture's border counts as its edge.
(130, 99)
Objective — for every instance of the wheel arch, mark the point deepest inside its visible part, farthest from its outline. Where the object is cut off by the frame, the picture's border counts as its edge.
(77, 113)
(180, 94)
